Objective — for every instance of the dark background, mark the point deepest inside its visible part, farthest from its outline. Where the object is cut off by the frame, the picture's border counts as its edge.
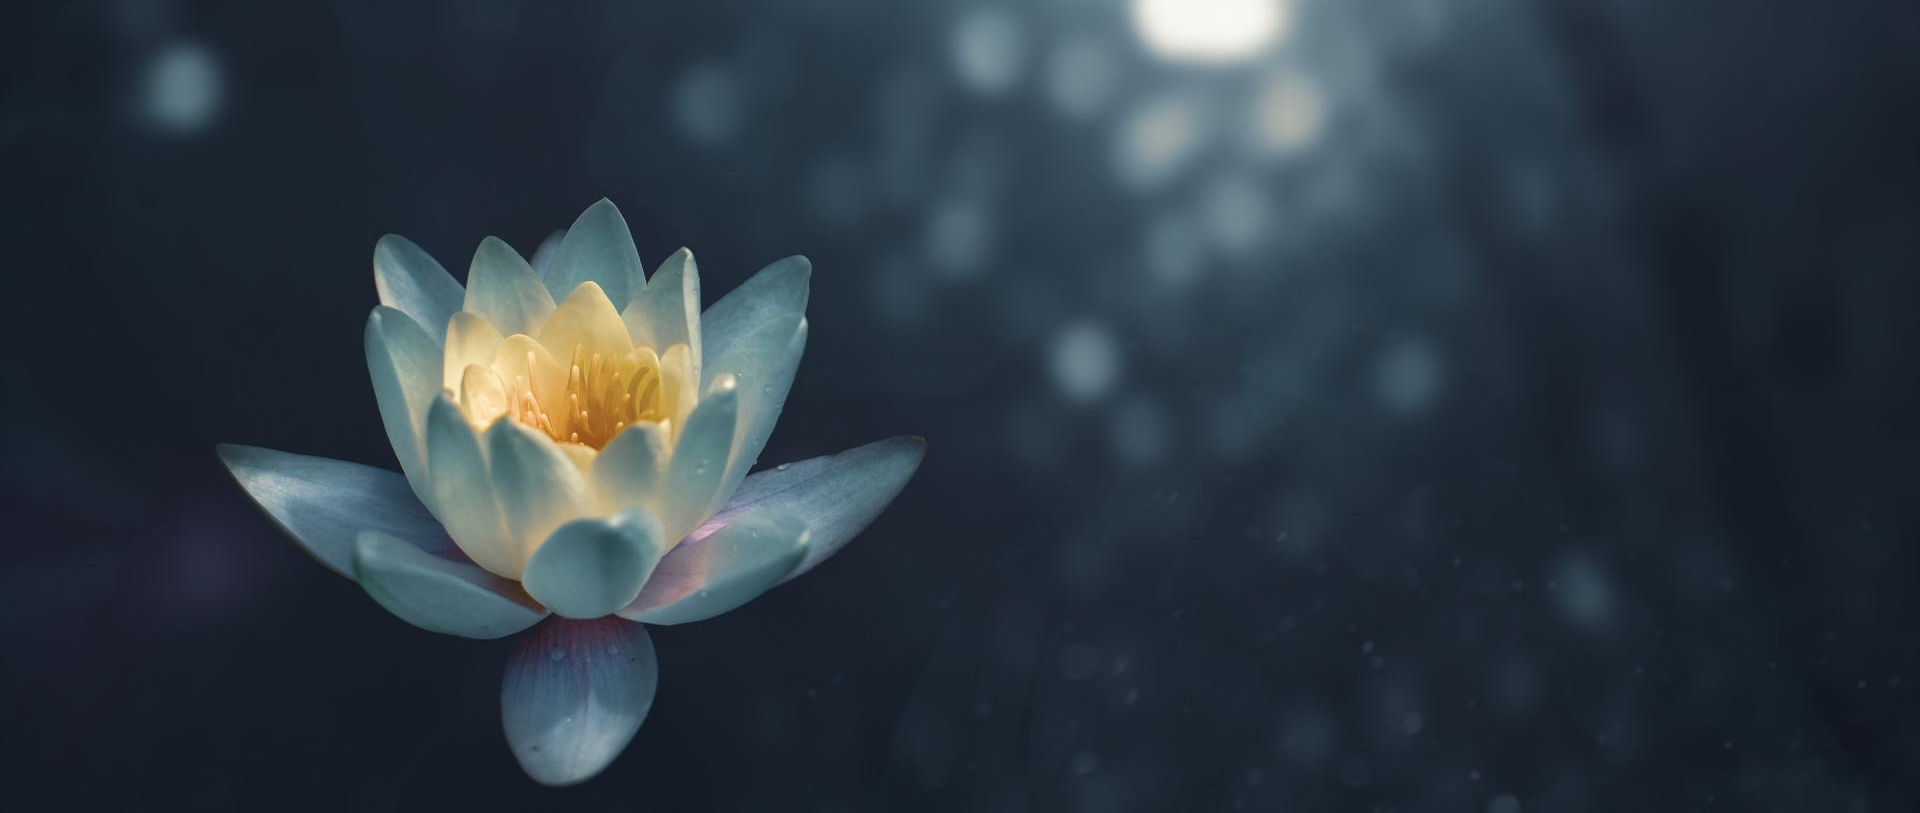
(1458, 405)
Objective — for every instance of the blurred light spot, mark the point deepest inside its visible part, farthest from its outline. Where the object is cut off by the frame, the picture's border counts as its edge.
(1085, 361)
(1082, 76)
(184, 88)
(989, 50)
(958, 238)
(1504, 803)
(837, 192)
(1287, 113)
(1139, 432)
(707, 103)
(1307, 735)
(1157, 139)
(1084, 762)
(1412, 723)
(900, 290)
(1209, 30)
(1407, 376)
(1078, 661)
(1238, 214)
(1583, 592)
(1172, 251)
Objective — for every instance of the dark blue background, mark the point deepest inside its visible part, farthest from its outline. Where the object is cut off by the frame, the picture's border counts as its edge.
(1533, 435)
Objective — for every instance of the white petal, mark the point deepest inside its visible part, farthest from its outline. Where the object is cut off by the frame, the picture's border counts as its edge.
(471, 339)
(411, 281)
(504, 289)
(590, 567)
(763, 364)
(777, 290)
(598, 248)
(667, 311)
(440, 595)
(324, 503)
(404, 363)
(628, 472)
(462, 490)
(574, 694)
(837, 496)
(699, 462)
(704, 577)
(537, 485)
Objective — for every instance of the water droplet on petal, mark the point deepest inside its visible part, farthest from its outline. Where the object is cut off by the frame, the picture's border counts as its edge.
(558, 655)
(782, 467)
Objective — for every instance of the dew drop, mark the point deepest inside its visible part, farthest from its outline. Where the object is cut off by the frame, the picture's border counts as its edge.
(782, 467)
(558, 655)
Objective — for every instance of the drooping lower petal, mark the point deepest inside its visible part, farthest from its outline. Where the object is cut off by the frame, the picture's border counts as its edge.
(575, 693)
(323, 504)
(404, 363)
(837, 496)
(438, 594)
(704, 577)
(411, 281)
(589, 568)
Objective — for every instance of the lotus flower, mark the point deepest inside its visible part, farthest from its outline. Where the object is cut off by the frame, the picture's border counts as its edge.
(575, 447)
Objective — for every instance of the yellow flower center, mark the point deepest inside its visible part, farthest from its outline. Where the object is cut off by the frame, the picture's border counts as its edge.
(604, 384)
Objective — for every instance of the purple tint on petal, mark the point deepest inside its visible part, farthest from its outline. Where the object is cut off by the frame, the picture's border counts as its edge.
(575, 693)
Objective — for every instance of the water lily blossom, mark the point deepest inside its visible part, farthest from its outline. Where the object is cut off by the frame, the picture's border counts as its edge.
(575, 445)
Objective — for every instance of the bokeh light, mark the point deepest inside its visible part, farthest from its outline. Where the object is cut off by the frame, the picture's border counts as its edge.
(1210, 30)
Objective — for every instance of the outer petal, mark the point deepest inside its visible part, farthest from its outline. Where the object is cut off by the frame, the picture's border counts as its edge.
(405, 365)
(537, 486)
(763, 364)
(598, 248)
(629, 470)
(575, 693)
(411, 281)
(705, 577)
(440, 595)
(324, 503)
(699, 461)
(667, 311)
(777, 290)
(590, 567)
(837, 496)
(462, 490)
(504, 289)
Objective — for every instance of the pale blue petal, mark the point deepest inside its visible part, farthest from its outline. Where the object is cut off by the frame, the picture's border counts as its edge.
(628, 472)
(837, 496)
(413, 282)
(574, 694)
(537, 486)
(763, 364)
(440, 595)
(505, 290)
(704, 577)
(462, 490)
(404, 363)
(777, 290)
(588, 568)
(699, 462)
(323, 504)
(667, 311)
(598, 248)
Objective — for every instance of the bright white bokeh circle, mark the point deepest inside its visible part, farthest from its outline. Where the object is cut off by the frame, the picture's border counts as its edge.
(1209, 30)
